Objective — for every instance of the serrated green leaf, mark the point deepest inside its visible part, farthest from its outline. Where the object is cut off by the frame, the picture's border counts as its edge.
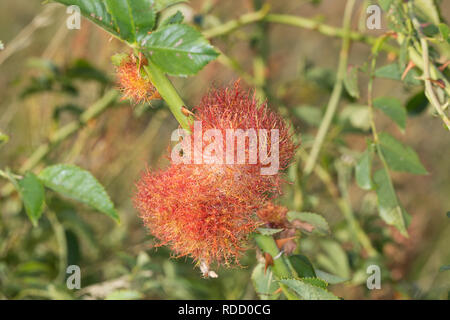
(178, 49)
(96, 11)
(32, 193)
(128, 20)
(351, 82)
(363, 169)
(268, 231)
(76, 183)
(302, 266)
(144, 17)
(393, 109)
(390, 210)
(400, 157)
(133, 19)
(122, 17)
(264, 283)
(319, 224)
(316, 282)
(308, 291)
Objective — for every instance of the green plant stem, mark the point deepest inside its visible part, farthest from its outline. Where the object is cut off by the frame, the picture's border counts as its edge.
(168, 93)
(108, 99)
(291, 20)
(324, 29)
(336, 93)
(7, 176)
(279, 268)
(232, 25)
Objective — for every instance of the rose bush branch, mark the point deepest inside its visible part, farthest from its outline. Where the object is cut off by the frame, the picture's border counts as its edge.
(431, 94)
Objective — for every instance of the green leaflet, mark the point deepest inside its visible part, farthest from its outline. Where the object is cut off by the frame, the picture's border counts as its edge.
(264, 283)
(351, 82)
(76, 183)
(302, 266)
(128, 20)
(393, 109)
(268, 231)
(318, 223)
(392, 71)
(178, 49)
(400, 157)
(307, 291)
(133, 19)
(32, 193)
(96, 11)
(363, 169)
(390, 210)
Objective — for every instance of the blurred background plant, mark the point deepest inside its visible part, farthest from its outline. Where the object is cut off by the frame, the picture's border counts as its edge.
(58, 106)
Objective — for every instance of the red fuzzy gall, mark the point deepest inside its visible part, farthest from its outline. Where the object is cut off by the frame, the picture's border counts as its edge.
(198, 211)
(235, 108)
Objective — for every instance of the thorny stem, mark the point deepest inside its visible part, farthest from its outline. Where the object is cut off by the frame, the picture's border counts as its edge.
(324, 29)
(168, 93)
(336, 93)
(426, 71)
(9, 175)
(232, 25)
(295, 21)
(280, 267)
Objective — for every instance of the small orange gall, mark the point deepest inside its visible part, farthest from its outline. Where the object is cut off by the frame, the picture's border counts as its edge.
(133, 84)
